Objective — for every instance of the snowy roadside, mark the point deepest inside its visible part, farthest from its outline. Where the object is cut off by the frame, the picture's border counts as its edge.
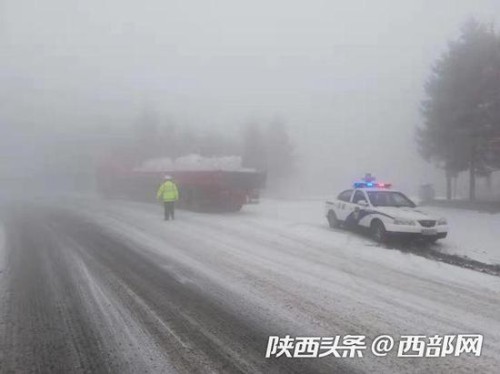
(3, 253)
(279, 265)
(473, 235)
(3, 273)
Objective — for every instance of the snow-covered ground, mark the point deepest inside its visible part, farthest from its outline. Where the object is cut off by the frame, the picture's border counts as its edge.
(3, 267)
(211, 288)
(282, 267)
(474, 235)
(3, 259)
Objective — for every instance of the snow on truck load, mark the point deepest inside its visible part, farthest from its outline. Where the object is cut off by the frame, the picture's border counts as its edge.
(219, 183)
(194, 163)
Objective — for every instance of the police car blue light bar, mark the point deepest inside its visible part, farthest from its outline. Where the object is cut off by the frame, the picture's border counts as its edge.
(371, 185)
(369, 181)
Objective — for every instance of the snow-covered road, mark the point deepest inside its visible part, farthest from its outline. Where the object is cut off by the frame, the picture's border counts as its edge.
(109, 286)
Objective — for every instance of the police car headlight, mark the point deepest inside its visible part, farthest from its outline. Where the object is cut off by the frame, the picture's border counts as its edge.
(442, 221)
(404, 221)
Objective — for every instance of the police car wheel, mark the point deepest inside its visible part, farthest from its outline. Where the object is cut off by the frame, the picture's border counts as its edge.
(333, 220)
(378, 231)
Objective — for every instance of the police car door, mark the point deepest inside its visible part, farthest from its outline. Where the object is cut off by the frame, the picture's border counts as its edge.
(343, 205)
(356, 209)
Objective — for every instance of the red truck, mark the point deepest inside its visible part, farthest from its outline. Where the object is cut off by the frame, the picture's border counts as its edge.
(202, 186)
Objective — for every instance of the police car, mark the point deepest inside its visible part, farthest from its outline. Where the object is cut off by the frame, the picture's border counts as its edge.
(385, 212)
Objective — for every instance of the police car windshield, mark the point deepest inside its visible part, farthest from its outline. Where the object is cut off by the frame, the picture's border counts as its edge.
(390, 198)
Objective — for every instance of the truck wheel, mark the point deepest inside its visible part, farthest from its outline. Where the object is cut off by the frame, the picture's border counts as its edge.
(333, 220)
(235, 207)
(378, 231)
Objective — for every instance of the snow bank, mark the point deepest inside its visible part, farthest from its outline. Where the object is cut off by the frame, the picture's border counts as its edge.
(192, 162)
(472, 234)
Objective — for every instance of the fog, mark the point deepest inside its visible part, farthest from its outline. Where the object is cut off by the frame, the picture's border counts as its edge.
(345, 76)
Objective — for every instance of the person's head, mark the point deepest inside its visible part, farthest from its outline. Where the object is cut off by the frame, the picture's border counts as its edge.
(167, 177)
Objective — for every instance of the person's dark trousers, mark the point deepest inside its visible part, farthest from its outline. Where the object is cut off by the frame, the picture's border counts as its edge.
(169, 210)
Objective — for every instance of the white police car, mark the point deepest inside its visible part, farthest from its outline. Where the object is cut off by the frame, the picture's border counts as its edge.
(385, 212)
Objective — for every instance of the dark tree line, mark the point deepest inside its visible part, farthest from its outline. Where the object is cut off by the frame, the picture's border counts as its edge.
(266, 148)
(461, 111)
(154, 137)
(269, 149)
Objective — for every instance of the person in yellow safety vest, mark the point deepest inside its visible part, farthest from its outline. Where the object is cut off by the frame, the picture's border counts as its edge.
(168, 194)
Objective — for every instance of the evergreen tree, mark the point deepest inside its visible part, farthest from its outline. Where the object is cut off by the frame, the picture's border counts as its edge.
(188, 142)
(169, 139)
(280, 152)
(213, 144)
(147, 135)
(461, 108)
(254, 148)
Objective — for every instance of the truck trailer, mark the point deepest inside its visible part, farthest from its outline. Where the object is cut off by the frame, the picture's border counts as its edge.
(205, 184)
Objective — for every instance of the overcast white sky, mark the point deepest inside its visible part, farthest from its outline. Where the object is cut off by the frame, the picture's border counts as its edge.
(346, 75)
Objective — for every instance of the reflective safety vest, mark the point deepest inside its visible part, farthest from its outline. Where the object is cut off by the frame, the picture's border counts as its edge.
(168, 192)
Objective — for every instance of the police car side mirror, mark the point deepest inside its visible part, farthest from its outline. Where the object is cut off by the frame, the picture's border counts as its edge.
(363, 203)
